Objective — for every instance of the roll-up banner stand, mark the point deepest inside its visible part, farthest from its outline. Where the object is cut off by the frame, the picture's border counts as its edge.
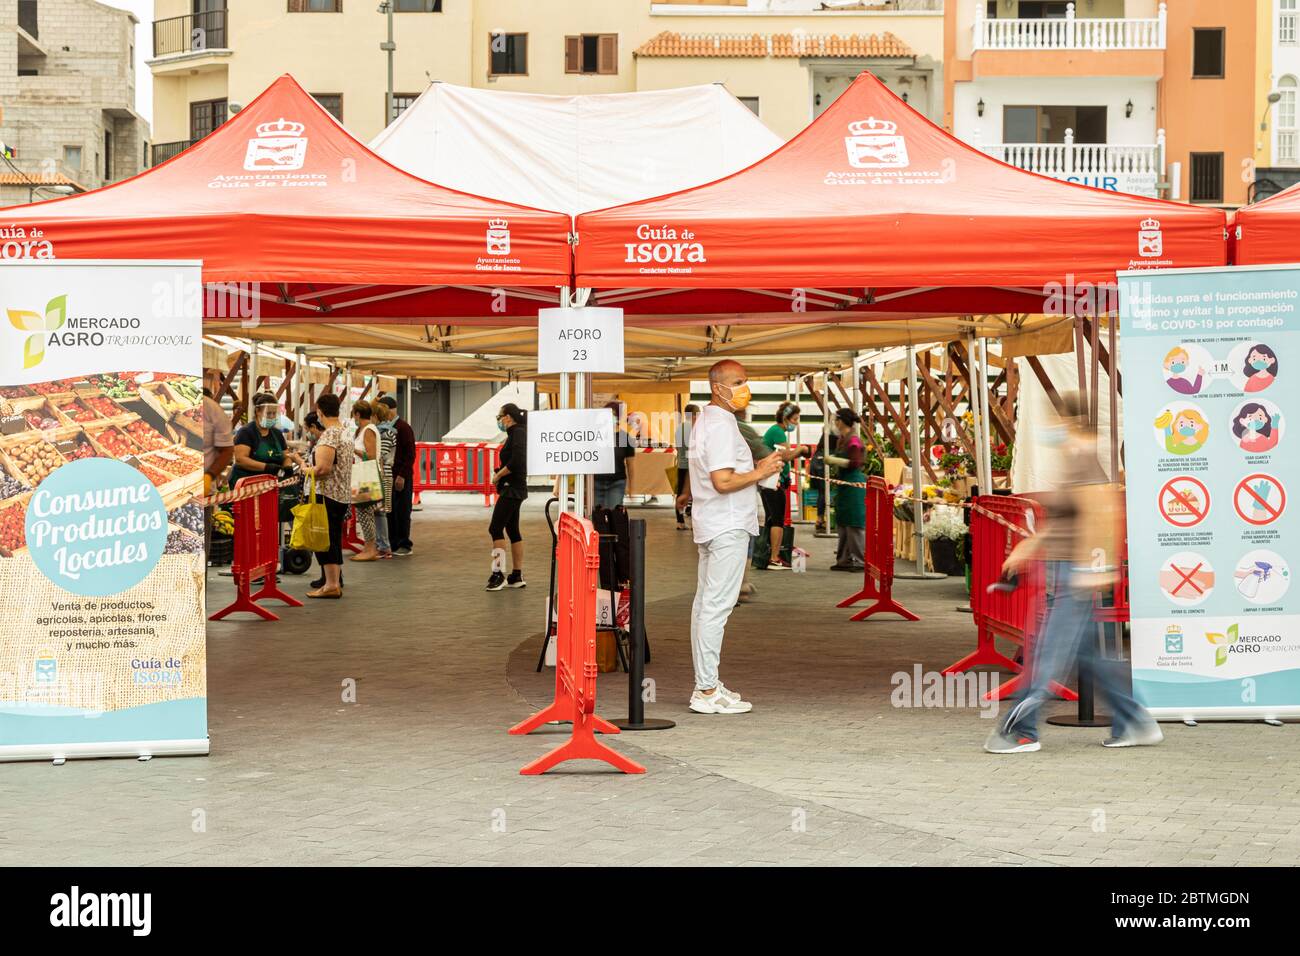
(102, 649)
(1211, 362)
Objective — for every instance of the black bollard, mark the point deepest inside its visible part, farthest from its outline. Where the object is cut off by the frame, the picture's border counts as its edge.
(636, 718)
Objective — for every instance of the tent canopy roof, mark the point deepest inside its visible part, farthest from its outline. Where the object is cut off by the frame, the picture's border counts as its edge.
(574, 153)
(282, 193)
(1269, 231)
(873, 196)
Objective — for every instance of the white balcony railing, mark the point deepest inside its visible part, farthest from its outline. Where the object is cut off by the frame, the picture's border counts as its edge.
(1071, 33)
(1121, 168)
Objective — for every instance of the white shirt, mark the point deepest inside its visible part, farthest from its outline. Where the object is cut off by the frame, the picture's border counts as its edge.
(716, 443)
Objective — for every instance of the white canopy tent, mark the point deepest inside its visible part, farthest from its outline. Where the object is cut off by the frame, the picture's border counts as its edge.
(574, 153)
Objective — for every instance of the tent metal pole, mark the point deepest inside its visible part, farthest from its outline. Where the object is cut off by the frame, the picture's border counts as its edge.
(826, 445)
(252, 390)
(563, 480)
(914, 425)
(976, 409)
(300, 392)
(987, 393)
(409, 382)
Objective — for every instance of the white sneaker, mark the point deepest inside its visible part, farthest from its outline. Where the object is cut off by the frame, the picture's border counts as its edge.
(1145, 736)
(735, 697)
(718, 703)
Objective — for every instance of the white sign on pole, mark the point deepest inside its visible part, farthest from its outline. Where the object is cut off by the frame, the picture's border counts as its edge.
(580, 340)
(571, 441)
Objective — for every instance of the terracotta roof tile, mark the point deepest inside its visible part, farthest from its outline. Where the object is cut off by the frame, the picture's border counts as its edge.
(854, 45)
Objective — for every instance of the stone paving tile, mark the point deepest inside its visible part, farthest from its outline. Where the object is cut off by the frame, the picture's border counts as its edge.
(420, 771)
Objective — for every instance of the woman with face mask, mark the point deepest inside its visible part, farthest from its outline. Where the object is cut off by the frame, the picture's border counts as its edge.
(850, 502)
(780, 438)
(259, 445)
(1261, 368)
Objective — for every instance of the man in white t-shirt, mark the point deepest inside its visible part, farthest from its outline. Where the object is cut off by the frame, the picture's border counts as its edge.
(724, 495)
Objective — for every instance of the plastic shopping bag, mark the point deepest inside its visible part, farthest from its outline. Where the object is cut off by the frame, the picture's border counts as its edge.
(311, 524)
(366, 485)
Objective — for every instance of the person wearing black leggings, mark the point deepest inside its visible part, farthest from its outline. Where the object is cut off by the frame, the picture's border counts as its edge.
(511, 480)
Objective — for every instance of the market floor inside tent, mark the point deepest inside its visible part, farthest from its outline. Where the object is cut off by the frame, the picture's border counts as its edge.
(825, 769)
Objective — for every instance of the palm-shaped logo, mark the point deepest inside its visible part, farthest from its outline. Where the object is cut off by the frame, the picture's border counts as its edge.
(1221, 644)
(56, 313)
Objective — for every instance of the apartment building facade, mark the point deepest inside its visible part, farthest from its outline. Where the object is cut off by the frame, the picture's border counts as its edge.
(67, 98)
(1155, 98)
(787, 59)
(1279, 128)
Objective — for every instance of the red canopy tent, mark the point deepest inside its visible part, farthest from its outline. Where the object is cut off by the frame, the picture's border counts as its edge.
(873, 207)
(282, 195)
(1269, 231)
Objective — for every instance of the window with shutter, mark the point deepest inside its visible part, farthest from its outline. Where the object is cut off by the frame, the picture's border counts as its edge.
(573, 54)
(607, 55)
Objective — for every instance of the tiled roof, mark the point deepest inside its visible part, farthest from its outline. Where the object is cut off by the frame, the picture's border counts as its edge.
(36, 179)
(856, 45)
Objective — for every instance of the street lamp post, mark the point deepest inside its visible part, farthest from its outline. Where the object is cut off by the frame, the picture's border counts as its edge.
(389, 47)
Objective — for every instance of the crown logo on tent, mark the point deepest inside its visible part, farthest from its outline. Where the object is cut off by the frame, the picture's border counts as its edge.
(281, 127)
(1149, 224)
(498, 237)
(875, 144)
(871, 125)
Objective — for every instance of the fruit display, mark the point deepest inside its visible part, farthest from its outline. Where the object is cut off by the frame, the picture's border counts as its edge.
(49, 388)
(38, 418)
(83, 449)
(13, 526)
(181, 541)
(189, 517)
(187, 388)
(145, 437)
(156, 477)
(114, 442)
(223, 523)
(105, 407)
(15, 391)
(172, 464)
(35, 460)
(10, 487)
(78, 412)
(122, 385)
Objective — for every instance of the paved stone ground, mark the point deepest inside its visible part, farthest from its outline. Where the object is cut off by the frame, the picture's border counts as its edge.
(824, 771)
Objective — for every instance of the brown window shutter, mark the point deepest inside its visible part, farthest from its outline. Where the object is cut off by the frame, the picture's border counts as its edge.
(573, 54)
(607, 54)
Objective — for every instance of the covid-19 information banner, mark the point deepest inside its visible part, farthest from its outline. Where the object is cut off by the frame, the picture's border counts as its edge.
(101, 546)
(1211, 363)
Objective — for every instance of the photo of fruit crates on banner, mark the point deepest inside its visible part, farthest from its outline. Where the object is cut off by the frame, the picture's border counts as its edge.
(101, 545)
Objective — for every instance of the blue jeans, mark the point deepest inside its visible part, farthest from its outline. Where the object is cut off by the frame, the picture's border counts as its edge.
(609, 493)
(381, 530)
(1068, 635)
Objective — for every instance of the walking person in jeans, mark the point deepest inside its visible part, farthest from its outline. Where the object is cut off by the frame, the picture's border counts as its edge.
(399, 519)
(1080, 541)
(332, 469)
(511, 480)
(724, 511)
(384, 421)
(365, 447)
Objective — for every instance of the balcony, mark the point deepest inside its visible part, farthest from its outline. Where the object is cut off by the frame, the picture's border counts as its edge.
(1137, 169)
(192, 33)
(1097, 34)
(161, 152)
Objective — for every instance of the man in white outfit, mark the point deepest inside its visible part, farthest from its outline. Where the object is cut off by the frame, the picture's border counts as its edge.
(724, 493)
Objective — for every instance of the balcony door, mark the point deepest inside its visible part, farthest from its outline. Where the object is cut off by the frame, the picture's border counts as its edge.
(1047, 124)
(205, 116)
(209, 31)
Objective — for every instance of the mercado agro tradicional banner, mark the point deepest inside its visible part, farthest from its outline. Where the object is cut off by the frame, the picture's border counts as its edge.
(101, 546)
(1211, 362)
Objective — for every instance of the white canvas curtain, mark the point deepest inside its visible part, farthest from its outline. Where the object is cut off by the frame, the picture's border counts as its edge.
(574, 153)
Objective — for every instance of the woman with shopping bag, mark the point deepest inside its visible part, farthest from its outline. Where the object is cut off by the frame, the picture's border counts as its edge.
(366, 487)
(332, 471)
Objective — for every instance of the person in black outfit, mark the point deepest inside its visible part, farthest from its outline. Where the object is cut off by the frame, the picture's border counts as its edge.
(511, 480)
(399, 519)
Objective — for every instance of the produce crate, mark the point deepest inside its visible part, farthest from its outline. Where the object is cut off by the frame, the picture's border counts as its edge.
(11, 486)
(111, 441)
(13, 520)
(15, 391)
(40, 408)
(30, 458)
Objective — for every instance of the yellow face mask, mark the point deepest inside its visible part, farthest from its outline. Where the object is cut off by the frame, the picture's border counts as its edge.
(737, 397)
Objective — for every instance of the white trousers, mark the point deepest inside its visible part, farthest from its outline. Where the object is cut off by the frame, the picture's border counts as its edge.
(722, 568)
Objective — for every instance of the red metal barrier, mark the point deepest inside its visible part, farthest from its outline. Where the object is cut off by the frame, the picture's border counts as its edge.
(878, 579)
(257, 549)
(351, 540)
(451, 466)
(996, 527)
(577, 578)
